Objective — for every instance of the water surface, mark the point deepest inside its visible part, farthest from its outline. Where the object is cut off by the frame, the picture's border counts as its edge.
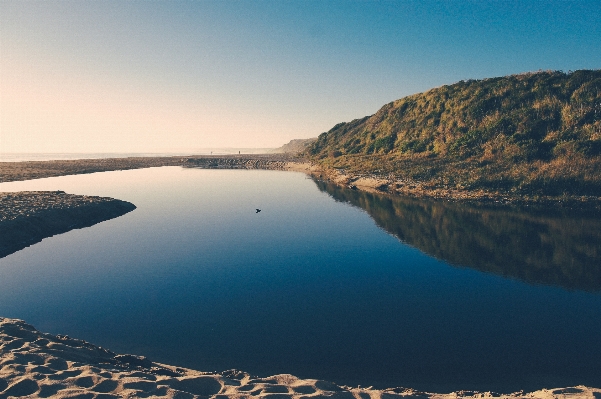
(309, 286)
(535, 244)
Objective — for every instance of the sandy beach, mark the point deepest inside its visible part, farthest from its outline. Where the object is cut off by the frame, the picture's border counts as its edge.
(40, 365)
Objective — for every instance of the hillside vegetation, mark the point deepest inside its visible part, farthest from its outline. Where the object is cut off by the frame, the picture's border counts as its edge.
(532, 134)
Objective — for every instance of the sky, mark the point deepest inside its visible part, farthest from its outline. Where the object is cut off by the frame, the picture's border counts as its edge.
(178, 76)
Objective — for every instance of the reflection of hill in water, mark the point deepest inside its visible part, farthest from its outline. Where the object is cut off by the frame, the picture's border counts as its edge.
(555, 247)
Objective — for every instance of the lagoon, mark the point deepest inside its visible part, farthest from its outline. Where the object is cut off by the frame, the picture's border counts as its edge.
(322, 283)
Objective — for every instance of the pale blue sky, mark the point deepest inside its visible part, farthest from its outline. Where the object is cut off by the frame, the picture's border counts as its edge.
(143, 76)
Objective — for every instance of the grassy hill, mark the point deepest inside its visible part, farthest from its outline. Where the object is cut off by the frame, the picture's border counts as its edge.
(532, 134)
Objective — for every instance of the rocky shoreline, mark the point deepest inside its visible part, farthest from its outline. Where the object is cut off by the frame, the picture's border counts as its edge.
(30, 216)
(40, 365)
(410, 188)
(268, 161)
(390, 184)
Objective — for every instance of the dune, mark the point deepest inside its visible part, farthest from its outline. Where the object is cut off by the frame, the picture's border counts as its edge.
(40, 365)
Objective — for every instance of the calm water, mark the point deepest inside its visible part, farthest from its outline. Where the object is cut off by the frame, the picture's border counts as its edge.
(318, 284)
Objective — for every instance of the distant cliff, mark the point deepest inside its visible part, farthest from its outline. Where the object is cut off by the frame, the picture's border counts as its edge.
(28, 217)
(528, 134)
(295, 146)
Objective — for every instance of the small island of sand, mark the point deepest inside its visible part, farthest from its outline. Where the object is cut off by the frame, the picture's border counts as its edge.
(28, 217)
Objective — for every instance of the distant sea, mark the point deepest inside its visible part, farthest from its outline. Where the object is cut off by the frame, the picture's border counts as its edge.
(20, 157)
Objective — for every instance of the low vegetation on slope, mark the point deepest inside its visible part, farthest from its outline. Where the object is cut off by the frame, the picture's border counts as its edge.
(528, 134)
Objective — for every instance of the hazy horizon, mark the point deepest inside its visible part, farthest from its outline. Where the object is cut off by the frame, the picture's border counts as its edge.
(53, 156)
(160, 77)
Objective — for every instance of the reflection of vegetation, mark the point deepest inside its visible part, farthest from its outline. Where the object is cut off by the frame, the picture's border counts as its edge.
(535, 246)
(534, 133)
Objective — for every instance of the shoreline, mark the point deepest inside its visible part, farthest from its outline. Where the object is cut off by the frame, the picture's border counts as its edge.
(29, 170)
(415, 189)
(35, 364)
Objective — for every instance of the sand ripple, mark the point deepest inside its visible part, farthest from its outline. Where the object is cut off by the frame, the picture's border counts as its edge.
(39, 365)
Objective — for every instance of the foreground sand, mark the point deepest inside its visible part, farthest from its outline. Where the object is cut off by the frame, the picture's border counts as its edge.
(39, 365)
